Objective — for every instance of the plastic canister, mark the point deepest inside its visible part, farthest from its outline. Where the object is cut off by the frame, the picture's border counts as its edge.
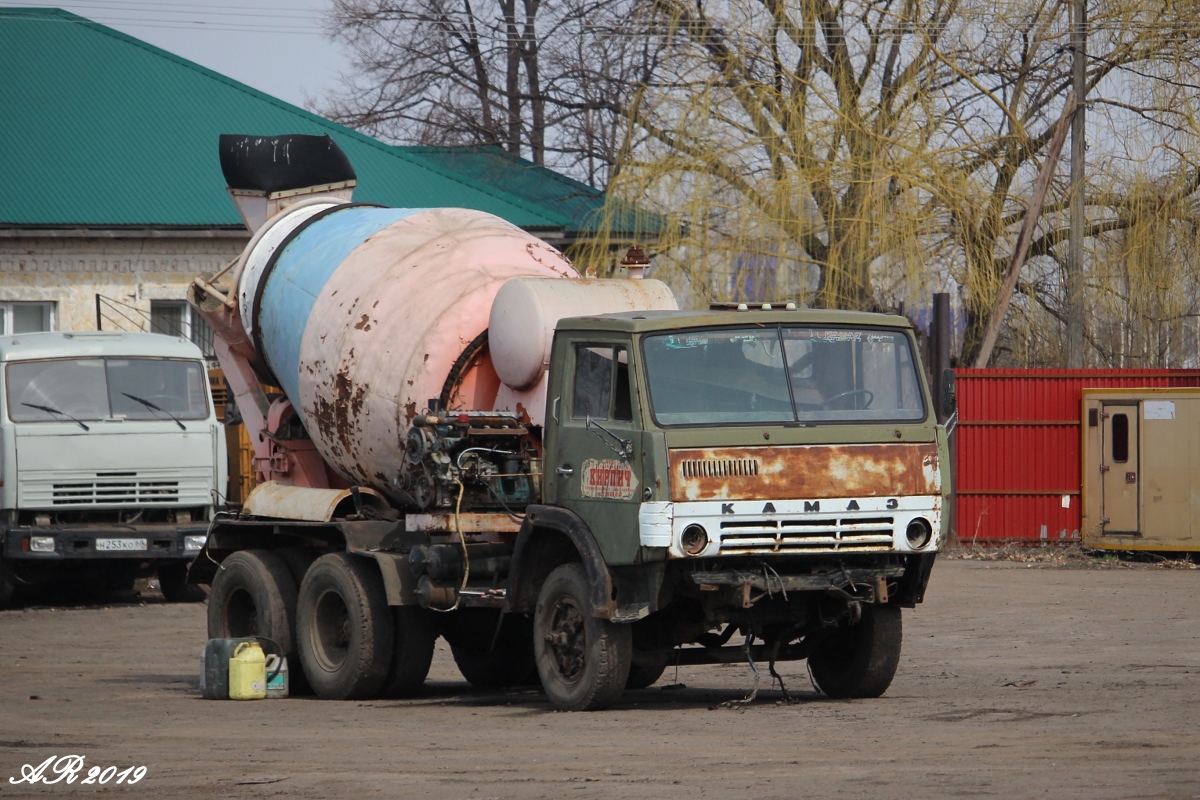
(277, 677)
(214, 667)
(248, 673)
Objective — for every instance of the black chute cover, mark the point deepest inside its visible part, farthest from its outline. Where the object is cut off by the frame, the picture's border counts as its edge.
(282, 163)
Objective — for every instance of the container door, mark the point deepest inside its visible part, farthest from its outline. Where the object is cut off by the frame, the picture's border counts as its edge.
(1121, 478)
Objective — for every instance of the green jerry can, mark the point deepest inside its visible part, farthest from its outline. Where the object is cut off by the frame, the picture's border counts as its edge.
(214, 666)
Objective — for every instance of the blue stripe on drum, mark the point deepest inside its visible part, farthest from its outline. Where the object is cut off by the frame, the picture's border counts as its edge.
(300, 273)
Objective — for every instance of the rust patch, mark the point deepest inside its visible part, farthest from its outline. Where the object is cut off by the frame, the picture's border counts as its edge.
(410, 411)
(363, 324)
(804, 472)
(338, 420)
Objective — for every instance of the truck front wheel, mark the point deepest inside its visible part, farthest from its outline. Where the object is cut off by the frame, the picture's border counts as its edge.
(8, 586)
(859, 660)
(583, 661)
(344, 629)
(172, 580)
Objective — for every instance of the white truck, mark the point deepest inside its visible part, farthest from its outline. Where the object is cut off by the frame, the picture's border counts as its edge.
(111, 460)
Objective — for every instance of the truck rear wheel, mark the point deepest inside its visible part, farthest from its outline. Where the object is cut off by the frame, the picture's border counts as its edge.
(253, 594)
(859, 660)
(583, 661)
(414, 633)
(344, 629)
(509, 663)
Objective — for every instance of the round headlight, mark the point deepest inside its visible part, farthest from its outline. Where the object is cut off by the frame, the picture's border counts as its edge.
(919, 533)
(694, 540)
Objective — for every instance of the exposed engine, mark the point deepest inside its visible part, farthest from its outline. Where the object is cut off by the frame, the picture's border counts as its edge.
(490, 459)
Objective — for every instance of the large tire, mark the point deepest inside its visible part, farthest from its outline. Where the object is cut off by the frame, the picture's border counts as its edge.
(253, 594)
(344, 628)
(583, 661)
(298, 560)
(509, 663)
(414, 633)
(645, 670)
(172, 580)
(859, 660)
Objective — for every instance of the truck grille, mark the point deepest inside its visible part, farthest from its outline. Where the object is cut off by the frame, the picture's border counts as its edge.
(808, 535)
(111, 491)
(91, 489)
(719, 468)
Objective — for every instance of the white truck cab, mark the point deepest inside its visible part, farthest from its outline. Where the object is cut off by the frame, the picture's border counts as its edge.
(111, 459)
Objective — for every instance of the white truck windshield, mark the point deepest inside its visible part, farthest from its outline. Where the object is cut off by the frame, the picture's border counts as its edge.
(106, 388)
(782, 374)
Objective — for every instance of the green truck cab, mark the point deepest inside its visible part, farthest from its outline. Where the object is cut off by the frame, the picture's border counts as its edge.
(779, 474)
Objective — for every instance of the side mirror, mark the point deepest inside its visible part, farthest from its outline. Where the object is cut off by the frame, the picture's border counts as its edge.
(949, 393)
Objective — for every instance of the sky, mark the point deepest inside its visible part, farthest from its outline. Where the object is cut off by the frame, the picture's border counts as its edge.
(275, 46)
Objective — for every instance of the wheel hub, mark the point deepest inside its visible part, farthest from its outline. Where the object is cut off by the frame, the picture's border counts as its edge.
(567, 638)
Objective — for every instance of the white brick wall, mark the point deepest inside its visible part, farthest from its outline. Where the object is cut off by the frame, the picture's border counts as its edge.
(71, 270)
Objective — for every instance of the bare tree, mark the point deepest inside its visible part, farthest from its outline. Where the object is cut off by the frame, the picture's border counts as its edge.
(860, 145)
(544, 81)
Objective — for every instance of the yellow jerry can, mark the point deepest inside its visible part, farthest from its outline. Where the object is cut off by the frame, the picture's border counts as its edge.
(248, 673)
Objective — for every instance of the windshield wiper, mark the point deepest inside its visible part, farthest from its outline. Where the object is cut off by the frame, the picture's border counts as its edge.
(153, 407)
(50, 410)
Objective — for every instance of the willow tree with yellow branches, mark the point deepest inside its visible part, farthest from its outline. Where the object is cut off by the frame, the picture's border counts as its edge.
(842, 153)
(857, 153)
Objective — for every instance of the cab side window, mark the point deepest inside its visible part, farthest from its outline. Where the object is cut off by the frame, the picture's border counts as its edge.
(601, 386)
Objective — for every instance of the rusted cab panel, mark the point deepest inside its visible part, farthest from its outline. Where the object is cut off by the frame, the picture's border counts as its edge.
(804, 471)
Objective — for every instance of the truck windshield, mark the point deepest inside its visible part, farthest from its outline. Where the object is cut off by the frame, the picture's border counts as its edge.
(782, 374)
(106, 388)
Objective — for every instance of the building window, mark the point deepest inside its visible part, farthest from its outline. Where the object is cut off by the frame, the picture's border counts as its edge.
(177, 318)
(26, 317)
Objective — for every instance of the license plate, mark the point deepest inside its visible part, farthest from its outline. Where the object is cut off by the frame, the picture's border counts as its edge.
(120, 544)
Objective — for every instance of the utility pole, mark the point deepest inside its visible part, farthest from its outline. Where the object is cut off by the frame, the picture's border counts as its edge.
(1075, 277)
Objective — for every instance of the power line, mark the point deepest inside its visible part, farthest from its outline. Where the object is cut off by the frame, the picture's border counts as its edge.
(217, 22)
(1140, 74)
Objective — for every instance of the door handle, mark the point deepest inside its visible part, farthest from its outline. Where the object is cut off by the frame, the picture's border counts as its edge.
(565, 470)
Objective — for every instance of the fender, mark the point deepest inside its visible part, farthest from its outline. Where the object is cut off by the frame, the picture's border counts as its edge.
(523, 597)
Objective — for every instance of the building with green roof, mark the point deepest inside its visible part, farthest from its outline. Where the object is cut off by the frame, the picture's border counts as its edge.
(112, 198)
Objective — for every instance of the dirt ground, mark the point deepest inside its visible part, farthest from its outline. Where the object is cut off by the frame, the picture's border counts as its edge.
(1017, 680)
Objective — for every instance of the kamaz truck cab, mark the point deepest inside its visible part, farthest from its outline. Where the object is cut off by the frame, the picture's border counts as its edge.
(111, 460)
(774, 473)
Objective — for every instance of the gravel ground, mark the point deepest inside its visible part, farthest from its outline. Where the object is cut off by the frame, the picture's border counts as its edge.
(1033, 678)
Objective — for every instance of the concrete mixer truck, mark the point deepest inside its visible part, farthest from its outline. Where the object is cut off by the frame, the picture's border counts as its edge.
(571, 480)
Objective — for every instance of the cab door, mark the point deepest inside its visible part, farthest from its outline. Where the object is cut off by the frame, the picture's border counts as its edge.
(593, 444)
(1120, 477)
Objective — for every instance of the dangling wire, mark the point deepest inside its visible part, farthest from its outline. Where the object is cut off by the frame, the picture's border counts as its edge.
(462, 540)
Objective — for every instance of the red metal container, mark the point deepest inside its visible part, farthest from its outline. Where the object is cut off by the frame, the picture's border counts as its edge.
(1017, 459)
